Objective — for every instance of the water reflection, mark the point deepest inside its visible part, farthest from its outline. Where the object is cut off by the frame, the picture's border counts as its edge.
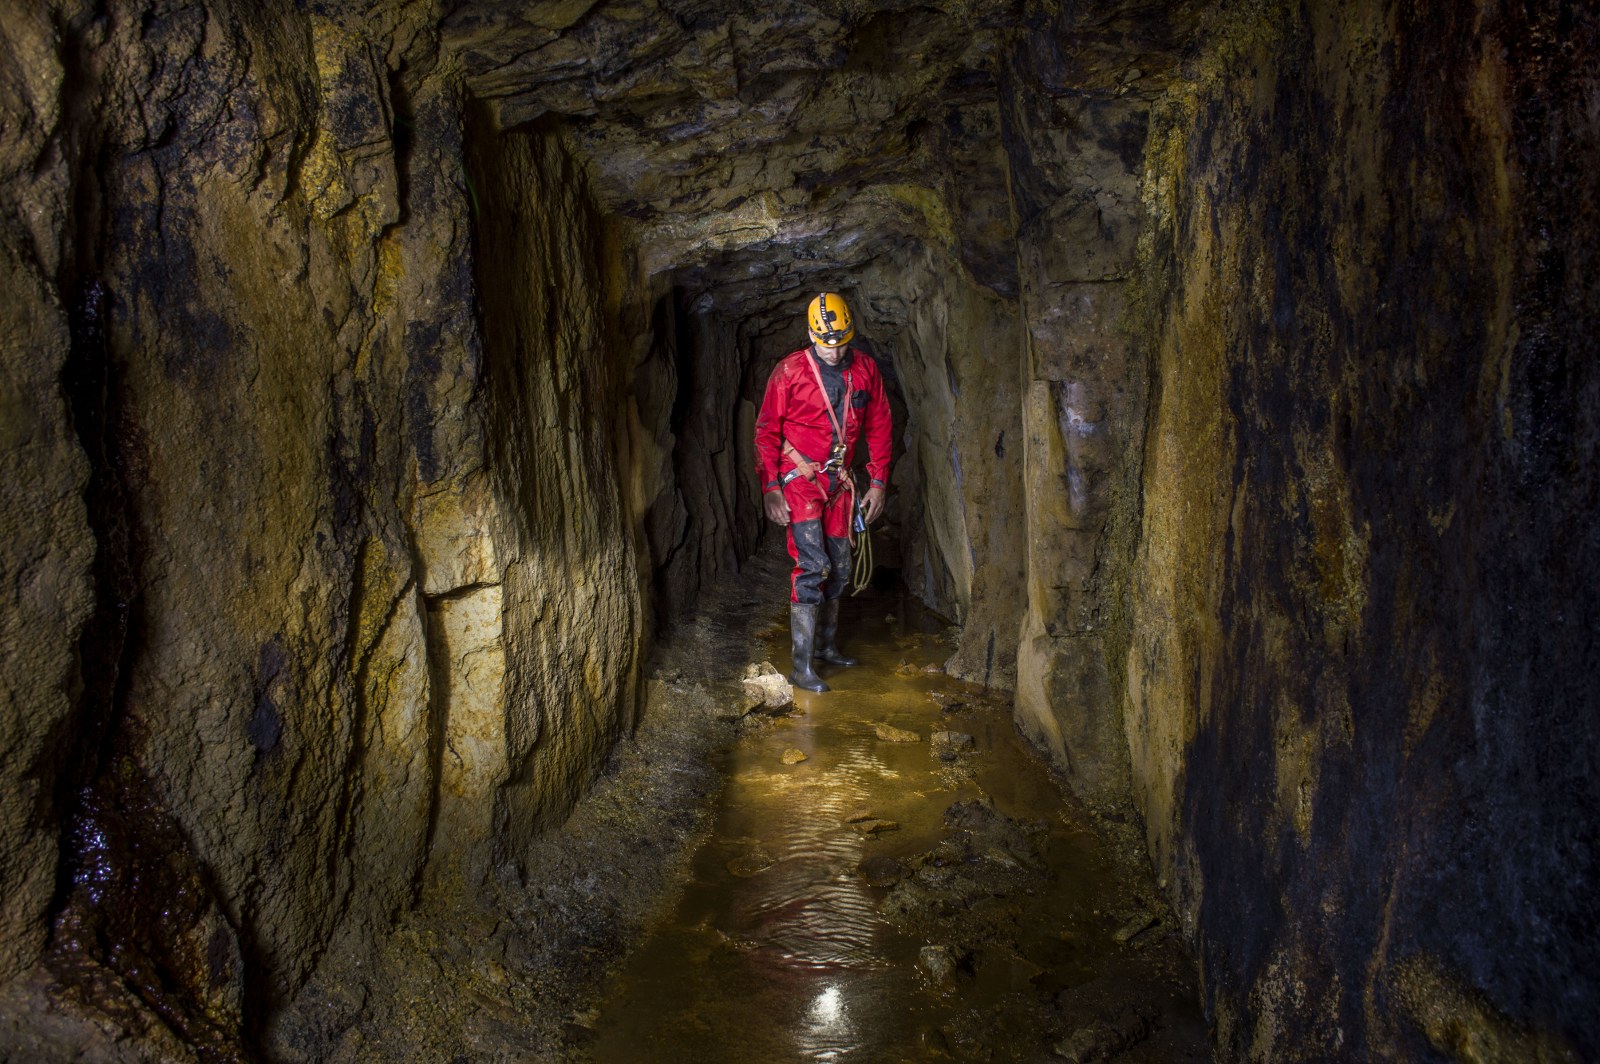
(780, 949)
(828, 1033)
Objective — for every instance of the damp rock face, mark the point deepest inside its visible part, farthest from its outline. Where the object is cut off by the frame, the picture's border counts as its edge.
(49, 546)
(1355, 665)
(380, 379)
(348, 642)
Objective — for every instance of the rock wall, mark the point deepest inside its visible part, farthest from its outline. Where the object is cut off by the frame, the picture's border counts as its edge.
(1082, 414)
(49, 547)
(1360, 690)
(302, 623)
(555, 410)
(699, 504)
(956, 347)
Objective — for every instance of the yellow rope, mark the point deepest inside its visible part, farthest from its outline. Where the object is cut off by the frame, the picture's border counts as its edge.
(860, 558)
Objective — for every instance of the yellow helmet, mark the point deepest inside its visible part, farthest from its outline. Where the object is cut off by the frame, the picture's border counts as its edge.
(829, 319)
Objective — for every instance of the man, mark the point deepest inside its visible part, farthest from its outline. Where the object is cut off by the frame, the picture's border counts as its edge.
(820, 400)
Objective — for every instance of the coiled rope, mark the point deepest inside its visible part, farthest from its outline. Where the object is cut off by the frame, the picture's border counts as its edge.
(860, 543)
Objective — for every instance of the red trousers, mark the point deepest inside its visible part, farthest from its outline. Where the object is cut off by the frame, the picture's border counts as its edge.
(819, 538)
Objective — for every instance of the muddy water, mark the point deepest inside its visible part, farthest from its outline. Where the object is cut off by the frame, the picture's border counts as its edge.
(805, 932)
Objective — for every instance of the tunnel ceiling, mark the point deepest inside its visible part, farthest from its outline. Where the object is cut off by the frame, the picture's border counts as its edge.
(762, 148)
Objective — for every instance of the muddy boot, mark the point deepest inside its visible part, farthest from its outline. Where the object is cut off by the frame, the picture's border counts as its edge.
(828, 632)
(803, 630)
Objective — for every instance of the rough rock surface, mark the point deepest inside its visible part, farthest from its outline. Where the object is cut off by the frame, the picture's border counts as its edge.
(1361, 692)
(765, 686)
(379, 380)
(348, 642)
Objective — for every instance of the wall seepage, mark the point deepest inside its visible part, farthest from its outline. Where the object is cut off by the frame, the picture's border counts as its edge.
(46, 564)
(1083, 409)
(344, 627)
(1359, 688)
(949, 339)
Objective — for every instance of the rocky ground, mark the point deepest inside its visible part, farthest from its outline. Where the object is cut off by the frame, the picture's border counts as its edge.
(513, 975)
(517, 975)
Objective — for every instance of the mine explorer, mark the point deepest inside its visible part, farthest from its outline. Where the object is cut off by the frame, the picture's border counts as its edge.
(819, 401)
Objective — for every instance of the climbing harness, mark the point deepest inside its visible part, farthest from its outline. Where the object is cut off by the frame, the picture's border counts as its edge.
(859, 535)
(831, 466)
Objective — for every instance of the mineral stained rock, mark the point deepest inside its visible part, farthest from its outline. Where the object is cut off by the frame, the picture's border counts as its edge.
(341, 636)
(1354, 667)
(379, 379)
(950, 745)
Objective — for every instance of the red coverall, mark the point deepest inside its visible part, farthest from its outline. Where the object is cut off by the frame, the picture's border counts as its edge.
(794, 411)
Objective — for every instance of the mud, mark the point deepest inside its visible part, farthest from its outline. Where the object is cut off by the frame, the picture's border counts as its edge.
(878, 900)
(917, 887)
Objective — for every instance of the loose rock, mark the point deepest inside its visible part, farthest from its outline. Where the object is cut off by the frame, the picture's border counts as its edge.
(881, 870)
(749, 863)
(950, 745)
(1136, 925)
(1104, 1039)
(766, 687)
(793, 756)
(939, 962)
(890, 734)
(875, 826)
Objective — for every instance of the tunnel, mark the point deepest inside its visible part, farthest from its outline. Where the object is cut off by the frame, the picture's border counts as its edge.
(383, 546)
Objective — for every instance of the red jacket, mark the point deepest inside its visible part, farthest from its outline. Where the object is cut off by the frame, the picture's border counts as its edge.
(795, 411)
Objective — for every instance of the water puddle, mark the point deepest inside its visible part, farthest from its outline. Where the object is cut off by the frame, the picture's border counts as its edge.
(898, 896)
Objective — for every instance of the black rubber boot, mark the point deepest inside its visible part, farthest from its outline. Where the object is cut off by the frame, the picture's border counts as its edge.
(803, 631)
(827, 648)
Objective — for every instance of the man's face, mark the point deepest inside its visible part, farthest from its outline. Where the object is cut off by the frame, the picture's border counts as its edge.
(829, 353)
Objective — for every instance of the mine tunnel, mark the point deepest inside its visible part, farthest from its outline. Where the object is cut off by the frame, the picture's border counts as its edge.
(383, 545)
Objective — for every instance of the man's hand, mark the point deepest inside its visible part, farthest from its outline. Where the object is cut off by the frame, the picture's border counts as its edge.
(777, 506)
(871, 503)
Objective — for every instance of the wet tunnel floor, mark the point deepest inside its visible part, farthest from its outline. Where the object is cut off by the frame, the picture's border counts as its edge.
(901, 894)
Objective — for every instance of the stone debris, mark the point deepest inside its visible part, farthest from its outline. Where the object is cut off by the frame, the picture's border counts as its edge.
(950, 745)
(939, 962)
(793, 756)
(949, 703)
(881, 870)
(906, 668)
(890, 734)
(766, 687)
(1136, 925)
(1104, 1039)
(875, 826)
(985, 833)
(750, 862)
